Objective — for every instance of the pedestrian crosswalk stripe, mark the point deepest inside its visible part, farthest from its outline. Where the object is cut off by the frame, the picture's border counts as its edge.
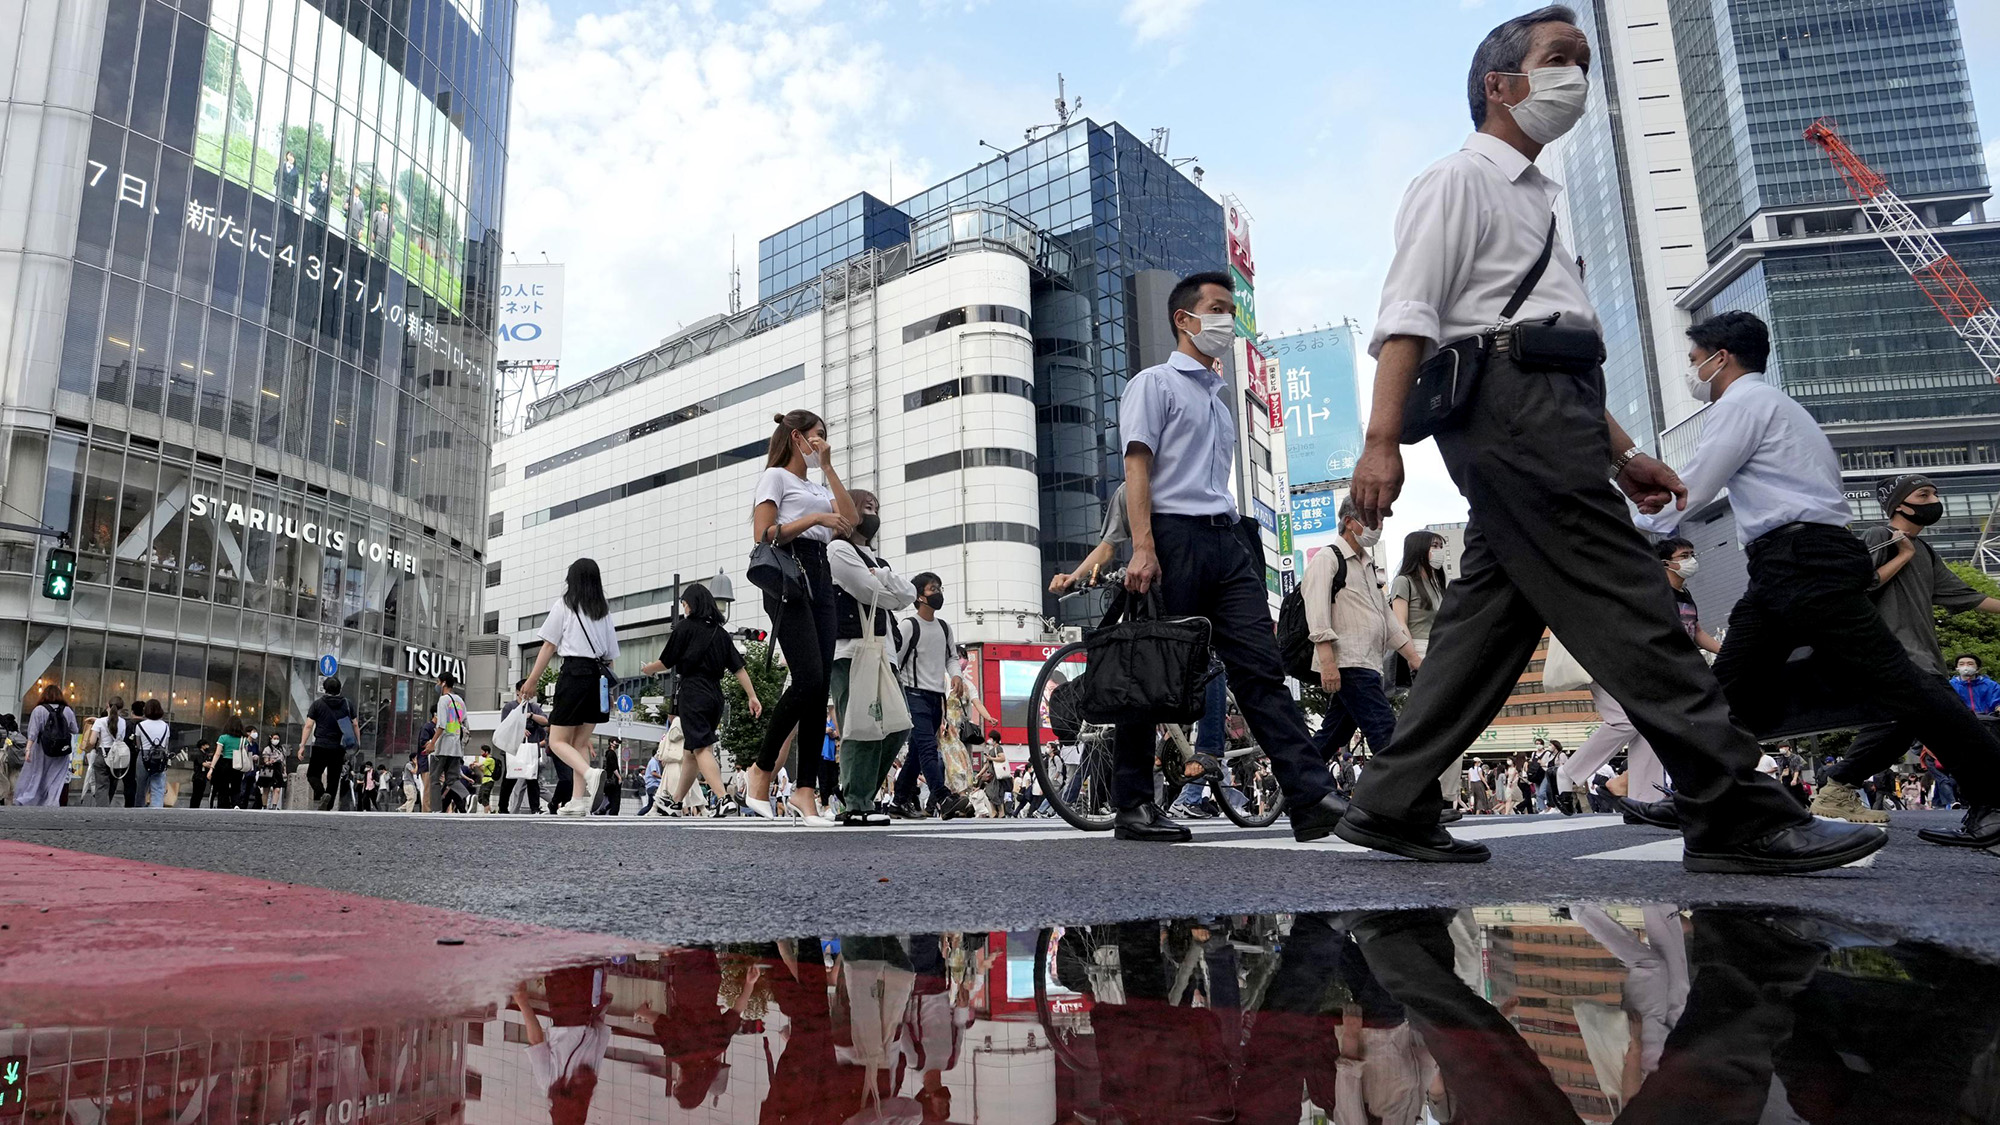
(1484, 830)
(1669, 851)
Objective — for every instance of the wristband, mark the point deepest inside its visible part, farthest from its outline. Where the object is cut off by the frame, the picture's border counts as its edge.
(1619, 462)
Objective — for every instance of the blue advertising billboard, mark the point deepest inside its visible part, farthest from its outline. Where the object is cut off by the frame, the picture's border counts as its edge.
(1322, 403)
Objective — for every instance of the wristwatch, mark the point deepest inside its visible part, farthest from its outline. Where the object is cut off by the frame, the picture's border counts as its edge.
(1619, 462)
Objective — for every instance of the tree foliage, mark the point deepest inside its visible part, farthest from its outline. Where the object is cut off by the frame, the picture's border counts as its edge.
(1972, 631)
(742, 733)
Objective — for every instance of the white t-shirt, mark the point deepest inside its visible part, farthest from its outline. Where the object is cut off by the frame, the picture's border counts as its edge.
(154, 732)
(564, 1051)
(796, 498)
(103, 734)
(574, 635)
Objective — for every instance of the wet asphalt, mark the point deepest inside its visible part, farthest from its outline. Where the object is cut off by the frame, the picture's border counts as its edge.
(700, 880)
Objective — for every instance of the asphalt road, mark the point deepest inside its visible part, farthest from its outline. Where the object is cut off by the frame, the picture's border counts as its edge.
(727, 880)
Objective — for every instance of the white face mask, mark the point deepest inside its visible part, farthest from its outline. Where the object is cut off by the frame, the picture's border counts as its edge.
(1218, 331)
(1700, 389)
(1436, 558)
(1555, 101)
(1369, 537)
(812, 460)
(1686, 567)
(1968, 671)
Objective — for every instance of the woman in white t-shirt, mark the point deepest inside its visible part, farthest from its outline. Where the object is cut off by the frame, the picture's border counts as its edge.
(801, 516)
(156, 736)
(578, 629)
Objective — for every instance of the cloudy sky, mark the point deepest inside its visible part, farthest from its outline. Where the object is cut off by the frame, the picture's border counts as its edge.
(647, 134)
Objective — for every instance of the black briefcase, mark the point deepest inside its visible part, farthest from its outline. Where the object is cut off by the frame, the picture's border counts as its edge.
(1144, 668)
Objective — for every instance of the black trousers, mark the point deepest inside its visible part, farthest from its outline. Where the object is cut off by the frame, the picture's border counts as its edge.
(1208, 570)
(534, 786)
(1809, 586)
(1551, 543)
(804, 630)
(323, 769)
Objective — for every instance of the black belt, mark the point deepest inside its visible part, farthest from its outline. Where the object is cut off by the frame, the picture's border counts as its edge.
(1229, 520)
(1783, 531)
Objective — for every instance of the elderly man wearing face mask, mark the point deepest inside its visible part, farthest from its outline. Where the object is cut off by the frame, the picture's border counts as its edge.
(1353, 634)
(1487, 315)
(1909, 580)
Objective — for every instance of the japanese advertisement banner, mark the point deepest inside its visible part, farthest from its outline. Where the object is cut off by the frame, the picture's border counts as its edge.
(1322, 404)
(530, 313)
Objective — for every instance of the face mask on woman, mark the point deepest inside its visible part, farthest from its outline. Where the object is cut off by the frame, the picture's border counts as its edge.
(1436, 558)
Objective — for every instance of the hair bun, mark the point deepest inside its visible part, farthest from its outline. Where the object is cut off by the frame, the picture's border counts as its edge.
(778, 418)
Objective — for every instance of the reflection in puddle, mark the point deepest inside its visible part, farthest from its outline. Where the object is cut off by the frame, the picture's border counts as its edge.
(1521, 1014)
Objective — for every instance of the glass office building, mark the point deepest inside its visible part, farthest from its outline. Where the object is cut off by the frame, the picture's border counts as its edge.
(249, 357)
(1120, 209)
(1854, 339)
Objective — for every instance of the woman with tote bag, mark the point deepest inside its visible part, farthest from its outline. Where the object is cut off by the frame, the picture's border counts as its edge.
(874, 719)
(701, 650)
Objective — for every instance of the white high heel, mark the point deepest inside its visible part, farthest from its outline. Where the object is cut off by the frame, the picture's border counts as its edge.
(754, 807)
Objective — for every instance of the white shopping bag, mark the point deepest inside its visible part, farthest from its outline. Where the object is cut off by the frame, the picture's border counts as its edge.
(876, 708)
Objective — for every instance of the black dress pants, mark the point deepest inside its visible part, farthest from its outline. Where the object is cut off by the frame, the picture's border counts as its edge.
(1809, 586)
(803, 628)
(1551, 543)
(1206, 570)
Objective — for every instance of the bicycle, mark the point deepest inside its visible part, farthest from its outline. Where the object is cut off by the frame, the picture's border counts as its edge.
(1073, 759)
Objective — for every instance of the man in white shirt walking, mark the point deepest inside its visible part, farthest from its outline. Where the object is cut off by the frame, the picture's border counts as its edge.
(1810, 577)
(1353, 634)
(1549, 542)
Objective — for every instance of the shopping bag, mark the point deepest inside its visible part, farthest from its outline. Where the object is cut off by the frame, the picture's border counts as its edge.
(524, 761)
(876, 707)
(957, 766)
(513, 728)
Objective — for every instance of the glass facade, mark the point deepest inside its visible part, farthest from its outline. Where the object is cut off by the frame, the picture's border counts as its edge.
(1890, 74)
(1119, 209)
(798, 253)
(1604, 234)
(270, 424)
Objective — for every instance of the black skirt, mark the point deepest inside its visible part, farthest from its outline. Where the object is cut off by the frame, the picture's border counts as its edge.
(576, 694)
(699, 706)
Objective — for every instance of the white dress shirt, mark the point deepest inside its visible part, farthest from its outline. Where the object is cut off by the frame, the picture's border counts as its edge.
(1470, 228)
(1771, 456)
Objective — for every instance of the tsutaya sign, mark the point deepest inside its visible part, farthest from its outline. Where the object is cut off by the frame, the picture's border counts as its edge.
(423, 662)
(324, 535)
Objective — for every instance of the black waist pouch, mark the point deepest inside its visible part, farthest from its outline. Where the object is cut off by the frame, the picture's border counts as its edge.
(1443, 387)
(1549, 346)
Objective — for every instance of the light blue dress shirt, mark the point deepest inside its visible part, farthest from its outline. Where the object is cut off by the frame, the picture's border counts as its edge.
(1771, 456)
(1173, 409)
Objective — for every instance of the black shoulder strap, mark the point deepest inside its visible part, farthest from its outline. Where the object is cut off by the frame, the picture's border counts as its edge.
(1534, 275)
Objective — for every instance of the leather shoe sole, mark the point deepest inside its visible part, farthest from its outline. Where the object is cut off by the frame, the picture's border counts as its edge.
(1169, 834)
(1316, 821)
(1863, 845)
(1648, 813)
(1449, 816)
(1457, 851)
(1957, 838)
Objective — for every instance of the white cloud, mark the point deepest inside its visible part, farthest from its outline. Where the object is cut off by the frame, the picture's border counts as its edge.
(644, 139)
(1158, 19)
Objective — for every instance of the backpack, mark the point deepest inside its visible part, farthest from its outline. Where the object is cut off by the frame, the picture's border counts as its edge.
(116, 751)
(1295, 646)
(53, 739)
(152, 755)
(906, 667)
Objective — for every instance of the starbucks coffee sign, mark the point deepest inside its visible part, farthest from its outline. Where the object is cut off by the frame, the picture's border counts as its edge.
(305, 531)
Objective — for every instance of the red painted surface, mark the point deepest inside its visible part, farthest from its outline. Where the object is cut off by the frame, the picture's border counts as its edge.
(93, 939)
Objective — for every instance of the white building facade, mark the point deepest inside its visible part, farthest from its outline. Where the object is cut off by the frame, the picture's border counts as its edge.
(920, 359)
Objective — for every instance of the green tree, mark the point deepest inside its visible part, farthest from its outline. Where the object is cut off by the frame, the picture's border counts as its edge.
(1972, 631)
(744, 733)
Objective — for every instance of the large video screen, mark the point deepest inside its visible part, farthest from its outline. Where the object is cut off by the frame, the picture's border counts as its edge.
(1017, 685)
(298, 110)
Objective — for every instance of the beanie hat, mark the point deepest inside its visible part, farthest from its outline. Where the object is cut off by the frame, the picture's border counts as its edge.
(1892, 492)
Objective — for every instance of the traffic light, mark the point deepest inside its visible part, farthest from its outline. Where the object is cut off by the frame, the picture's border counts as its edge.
(59, 576)
(752, 634)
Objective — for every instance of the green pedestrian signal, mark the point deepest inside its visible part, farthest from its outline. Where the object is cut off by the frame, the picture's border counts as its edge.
(59, 577)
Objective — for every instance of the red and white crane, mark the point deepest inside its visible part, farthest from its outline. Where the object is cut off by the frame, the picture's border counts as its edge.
(1941, 278)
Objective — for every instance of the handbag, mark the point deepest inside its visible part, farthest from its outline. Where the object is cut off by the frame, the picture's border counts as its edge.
(1446, 381)
(971, 733)
(876, 707)
(1561, 671)
(1144, 668)
(774, 570)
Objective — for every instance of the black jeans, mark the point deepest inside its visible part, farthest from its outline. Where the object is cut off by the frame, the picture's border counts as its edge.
(565, 783)
(1809, 586)
(804, 628)
(323, 769)
(534, 786)
(1207, 570)
(1550, 543)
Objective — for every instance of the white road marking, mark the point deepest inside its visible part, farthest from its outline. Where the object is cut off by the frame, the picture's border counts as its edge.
(1669, 851)
(1484, 830)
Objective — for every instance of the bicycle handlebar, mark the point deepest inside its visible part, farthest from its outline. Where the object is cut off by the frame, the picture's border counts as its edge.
(1100, 580)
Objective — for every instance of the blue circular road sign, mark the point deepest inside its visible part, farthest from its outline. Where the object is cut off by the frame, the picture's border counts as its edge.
(328, 665)
(625, 703)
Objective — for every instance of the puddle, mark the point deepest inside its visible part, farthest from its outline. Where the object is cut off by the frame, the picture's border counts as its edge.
(1511, 1014)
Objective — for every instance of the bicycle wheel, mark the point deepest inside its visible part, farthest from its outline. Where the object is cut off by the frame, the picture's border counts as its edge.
(1079, 791)
(1249, 793)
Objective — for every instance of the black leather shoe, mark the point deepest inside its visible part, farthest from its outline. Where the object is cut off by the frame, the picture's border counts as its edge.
(1431, 844)
(1449, 816)
(1813, 846)
(1658, 814)
(1147, 823)
(1316, 821)
(1981, 829)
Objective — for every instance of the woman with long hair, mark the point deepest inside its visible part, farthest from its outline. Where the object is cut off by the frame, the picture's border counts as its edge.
(52, 731)
(801, 516)
(703, 652)
(1414, 597)
(225, 766)
(578, 629)
(861, 577)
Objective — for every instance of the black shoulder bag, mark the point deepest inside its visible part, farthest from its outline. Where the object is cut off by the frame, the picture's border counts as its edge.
(1447, 381)
(1144, 668)
(775, 570)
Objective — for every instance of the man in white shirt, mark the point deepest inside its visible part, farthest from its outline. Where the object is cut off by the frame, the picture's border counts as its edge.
(928, 663)
(1353, 634)
(1810, 577)
(1549, 542)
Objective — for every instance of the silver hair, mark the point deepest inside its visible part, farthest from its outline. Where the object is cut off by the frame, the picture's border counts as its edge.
(1504, 49)
(1347, 510)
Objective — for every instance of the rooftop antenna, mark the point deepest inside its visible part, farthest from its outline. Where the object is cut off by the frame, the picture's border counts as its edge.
(735, 280)
(1066, 108)
(545, 257)
(1159, 142)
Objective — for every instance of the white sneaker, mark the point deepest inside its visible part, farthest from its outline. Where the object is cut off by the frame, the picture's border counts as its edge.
(576, 806)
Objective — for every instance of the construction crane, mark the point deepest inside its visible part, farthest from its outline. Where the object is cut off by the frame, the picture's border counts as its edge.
(1963, 306)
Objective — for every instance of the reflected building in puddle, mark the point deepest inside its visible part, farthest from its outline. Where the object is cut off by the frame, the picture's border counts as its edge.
(1539, 1014)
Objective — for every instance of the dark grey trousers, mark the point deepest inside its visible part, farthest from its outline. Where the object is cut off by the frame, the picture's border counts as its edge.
(1551, 543)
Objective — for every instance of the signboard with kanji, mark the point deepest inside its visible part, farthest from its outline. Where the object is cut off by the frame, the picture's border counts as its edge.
(530, 308)
(1316, 378)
